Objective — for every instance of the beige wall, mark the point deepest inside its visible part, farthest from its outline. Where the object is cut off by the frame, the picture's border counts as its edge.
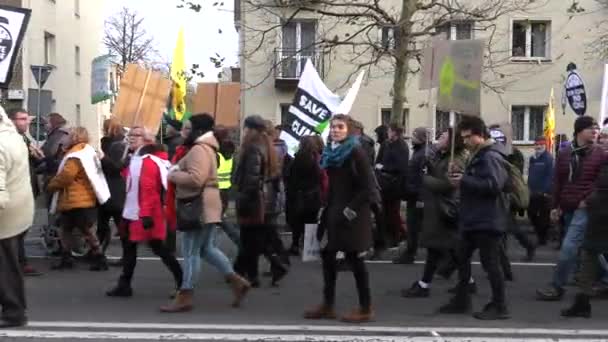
(69, 88)
(525, 83)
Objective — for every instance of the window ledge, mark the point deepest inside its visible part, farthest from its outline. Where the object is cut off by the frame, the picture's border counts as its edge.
(523, 143)
(531, 60)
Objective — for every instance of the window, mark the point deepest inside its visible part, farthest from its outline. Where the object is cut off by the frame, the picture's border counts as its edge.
(77, 8)
(284, 112)
(77, 115)
(445, 120)
(527, 122)
(455, 31)
(77, 59)
(385, 117)
(389, 36)
(530, 39)
(298, 39)
(49, 48)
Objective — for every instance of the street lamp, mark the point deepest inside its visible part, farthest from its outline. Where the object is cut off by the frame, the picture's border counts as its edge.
(41, 75)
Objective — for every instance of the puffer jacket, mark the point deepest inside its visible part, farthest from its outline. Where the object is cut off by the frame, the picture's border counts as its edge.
(248, 180)
(75, 189)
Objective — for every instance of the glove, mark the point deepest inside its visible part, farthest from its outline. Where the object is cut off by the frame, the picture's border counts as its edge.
(147, 222)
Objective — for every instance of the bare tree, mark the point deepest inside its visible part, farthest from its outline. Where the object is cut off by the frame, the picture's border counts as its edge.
(126, 39)
(383, 37)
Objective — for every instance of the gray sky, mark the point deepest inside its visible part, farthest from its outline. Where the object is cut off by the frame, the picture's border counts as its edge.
(162, 20)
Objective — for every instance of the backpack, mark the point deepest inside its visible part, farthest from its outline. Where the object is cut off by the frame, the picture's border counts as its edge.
(516, 188)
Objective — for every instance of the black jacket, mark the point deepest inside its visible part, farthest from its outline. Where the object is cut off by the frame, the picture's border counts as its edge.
(395, 158)
(483, 202)
(248, 180)
(415, 173)
(369, 146)
(172, 143)
(112, 164)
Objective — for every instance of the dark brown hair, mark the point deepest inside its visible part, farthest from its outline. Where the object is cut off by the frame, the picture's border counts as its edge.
(112, 128)
(263, 139)
(56, 119)
(350, 123)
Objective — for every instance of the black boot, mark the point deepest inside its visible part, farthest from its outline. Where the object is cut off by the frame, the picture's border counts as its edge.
(99, 263)
(471, 287)
(278, 269)
(459, 304)
(580, 308)
(66, 262)
(416, 291)
(122, 289)
(493, 311)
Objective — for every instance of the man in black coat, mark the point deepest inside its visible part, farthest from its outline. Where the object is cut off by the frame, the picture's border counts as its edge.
(483, 218)
(391, 170)
(366, 141)
(413, 185)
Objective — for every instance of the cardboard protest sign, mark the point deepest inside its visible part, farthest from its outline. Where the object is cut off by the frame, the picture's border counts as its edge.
(13, 24)
(458, 67)
(142, 98)
(222, 100)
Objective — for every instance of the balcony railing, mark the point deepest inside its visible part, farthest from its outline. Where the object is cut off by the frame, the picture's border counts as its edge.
(290, 63)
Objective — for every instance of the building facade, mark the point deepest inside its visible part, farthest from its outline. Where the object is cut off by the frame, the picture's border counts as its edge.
(66, 35)
(527, 54)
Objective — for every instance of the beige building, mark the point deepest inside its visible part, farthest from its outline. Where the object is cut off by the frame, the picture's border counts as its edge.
(65, 34)
(530, 52)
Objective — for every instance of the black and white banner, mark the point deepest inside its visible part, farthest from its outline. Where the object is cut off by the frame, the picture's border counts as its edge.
(574, 93)
(13, 23)
(313, 106)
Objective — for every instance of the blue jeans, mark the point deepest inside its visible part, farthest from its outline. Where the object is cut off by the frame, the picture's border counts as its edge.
(197, 245)
(576, 223)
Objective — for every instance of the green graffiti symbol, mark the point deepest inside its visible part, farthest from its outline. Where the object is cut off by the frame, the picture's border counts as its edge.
(447, 78)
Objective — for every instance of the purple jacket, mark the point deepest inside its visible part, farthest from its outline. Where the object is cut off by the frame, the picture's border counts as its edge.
(568, 195)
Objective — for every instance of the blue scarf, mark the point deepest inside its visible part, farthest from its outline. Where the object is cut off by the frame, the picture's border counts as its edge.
(335, 154)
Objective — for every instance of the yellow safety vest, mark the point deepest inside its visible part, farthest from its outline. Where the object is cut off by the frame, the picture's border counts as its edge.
(224, 171)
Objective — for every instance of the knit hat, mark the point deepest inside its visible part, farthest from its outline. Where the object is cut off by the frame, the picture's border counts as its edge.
(498, 136)
(584, 122)
(255, 122)
(202, 122)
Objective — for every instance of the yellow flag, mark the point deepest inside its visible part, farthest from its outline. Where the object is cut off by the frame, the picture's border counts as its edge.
(178, 76)
(549, 130)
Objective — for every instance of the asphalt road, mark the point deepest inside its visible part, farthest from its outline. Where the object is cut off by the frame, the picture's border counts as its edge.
(71, 306)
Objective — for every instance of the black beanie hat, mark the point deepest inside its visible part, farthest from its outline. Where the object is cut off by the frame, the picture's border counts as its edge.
(584, 122)
(255, 122)
(202, 122)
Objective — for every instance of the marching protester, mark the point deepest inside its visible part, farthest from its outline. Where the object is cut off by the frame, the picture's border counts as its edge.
(112, 163)
(256, 167)
(365, 140)
(173, 137)
(21, 120)
(482, 219)
(540, 174)
(78, 186)
(413, 183)
(595, 244)
(576, 169)
(439, 234)
(391, 171)
(199, 212)
(56, 133)
(143, 215)
(346, 220)
(516, 159)
(307, 187)
(16, 216)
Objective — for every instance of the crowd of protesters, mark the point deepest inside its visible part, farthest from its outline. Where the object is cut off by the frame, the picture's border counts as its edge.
(463, 191)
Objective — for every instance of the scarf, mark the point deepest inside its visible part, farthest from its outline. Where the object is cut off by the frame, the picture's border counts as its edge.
(336, 153)
(576, 154)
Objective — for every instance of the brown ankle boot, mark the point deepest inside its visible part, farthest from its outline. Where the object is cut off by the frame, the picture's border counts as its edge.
(359, 316)
(321, 312)
(240, 287)
(181, 303)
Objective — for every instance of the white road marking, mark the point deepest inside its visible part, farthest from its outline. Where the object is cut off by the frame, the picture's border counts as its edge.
(115, 335)
(388, 262)
(319, 328)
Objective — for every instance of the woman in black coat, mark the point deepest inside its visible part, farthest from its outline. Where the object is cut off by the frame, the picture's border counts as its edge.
(346, 220)
(306, 184)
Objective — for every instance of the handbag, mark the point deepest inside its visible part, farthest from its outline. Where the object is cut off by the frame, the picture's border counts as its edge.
(189, 212)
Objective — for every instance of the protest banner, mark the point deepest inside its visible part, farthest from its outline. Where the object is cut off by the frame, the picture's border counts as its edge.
(13, 24)
(574, 92)
(100, 79)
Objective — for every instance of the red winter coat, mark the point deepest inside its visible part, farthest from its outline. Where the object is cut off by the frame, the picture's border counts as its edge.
(150, 199)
